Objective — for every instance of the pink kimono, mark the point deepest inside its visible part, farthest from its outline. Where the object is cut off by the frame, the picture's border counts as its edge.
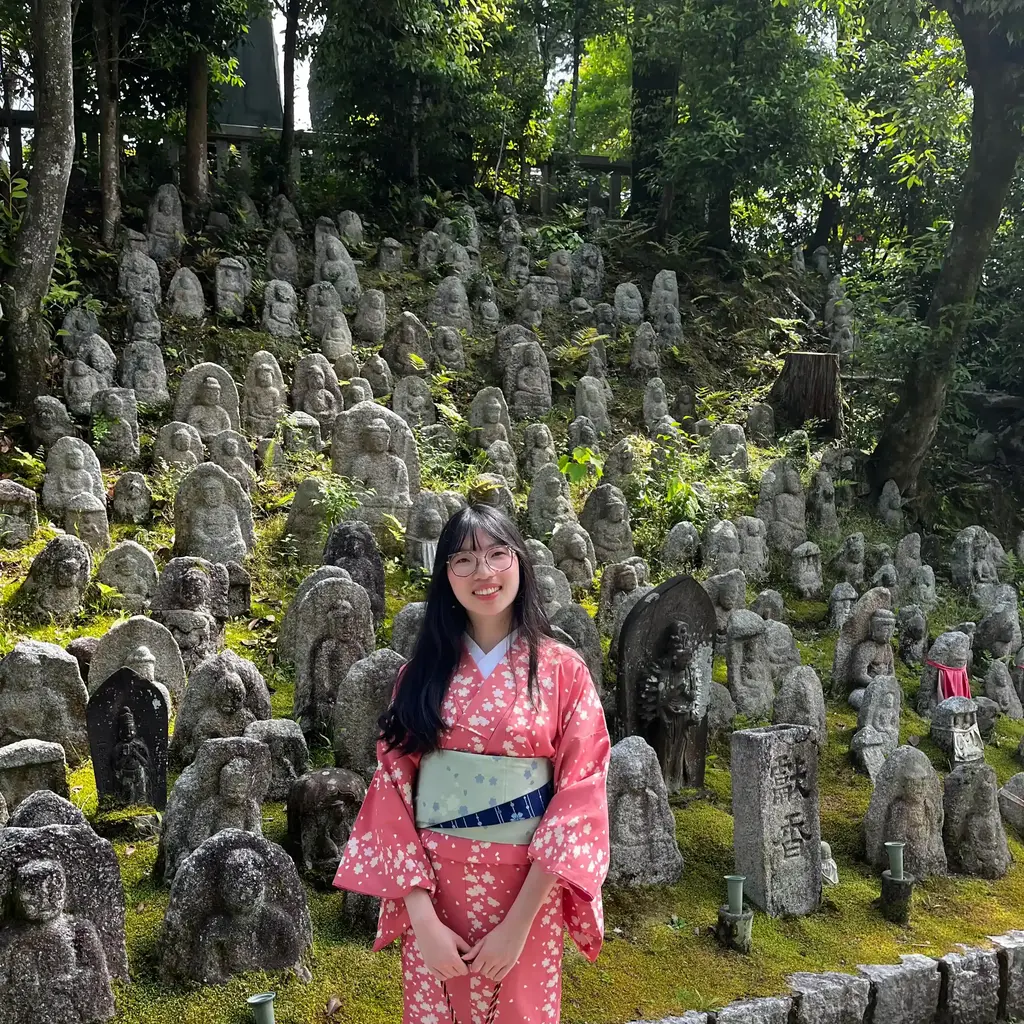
(474, 883)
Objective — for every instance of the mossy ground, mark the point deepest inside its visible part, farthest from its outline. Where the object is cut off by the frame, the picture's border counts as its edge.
(660, 957)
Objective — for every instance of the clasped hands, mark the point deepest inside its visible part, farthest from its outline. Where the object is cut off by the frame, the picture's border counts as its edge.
(447, 954)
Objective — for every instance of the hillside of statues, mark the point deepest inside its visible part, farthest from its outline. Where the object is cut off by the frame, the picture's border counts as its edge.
(216, 534)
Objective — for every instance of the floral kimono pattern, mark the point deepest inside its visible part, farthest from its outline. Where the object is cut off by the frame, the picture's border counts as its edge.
(473, 883)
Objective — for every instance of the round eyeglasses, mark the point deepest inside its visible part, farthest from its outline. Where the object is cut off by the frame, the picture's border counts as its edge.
(497, 559)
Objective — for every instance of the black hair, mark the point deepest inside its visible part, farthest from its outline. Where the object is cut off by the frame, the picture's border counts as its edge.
(413, 721)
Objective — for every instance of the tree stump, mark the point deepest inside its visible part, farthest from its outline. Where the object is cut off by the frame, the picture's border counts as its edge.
(809, 389)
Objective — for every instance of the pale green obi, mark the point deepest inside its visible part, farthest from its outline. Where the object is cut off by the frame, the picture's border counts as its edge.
(458, 784)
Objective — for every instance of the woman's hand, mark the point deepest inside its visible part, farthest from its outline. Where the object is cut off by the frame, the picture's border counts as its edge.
(439, 945)
(496, 953)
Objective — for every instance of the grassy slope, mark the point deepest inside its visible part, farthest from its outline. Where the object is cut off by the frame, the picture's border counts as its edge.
(659, 957)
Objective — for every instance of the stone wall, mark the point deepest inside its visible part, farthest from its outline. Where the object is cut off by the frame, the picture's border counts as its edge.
(974, 986)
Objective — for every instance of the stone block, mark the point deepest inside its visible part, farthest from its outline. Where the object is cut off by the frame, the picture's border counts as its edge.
(971, 987)
(829, 998)
(905, 993)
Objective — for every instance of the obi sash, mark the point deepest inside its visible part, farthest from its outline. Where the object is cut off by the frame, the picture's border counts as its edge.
(482, 796)
(953, 682)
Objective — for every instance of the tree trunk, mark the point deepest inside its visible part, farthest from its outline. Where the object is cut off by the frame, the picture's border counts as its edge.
(720, 219)
(414, 152)
(808, 388)
(653, 113)
(35, 246)
(291, 36)
(197, 173)
(995, 75)
(577, 46)
(106, 30)
(828, 214)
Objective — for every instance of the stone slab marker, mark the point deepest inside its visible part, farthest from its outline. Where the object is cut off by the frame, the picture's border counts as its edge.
(777, 829)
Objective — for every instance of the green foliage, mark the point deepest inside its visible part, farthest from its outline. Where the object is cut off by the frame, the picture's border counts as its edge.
(336, 500)
(603, 106)
(583, 463)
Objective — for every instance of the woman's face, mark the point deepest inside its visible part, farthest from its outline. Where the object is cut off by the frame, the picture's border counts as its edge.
(485, 591)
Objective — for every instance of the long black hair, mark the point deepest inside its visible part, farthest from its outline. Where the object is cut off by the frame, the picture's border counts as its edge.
(413, 721)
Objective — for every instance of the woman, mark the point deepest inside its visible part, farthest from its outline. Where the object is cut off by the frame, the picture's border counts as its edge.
(485, 828)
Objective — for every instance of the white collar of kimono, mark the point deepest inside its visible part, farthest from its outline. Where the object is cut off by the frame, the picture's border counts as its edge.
(487, 663)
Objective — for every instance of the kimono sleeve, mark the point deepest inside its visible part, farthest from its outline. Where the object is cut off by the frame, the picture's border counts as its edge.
(571, 840)
(384, 856)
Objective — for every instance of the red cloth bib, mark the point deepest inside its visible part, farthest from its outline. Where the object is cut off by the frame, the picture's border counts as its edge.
(953, 682)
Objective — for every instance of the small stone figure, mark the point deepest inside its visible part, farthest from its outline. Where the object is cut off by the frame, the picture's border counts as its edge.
(955, 730)
(588, 271)
(908, 556)
(864, 649)
(147, 648)
(407, 350)
(878, 725)
(641, 823)
(912, 629)
(289, 755)
(138, 274)
(178, 444)
(748, 664)
(770, 606)
(906, 806)
(237, 905)
(212, 516)
(821, 505)
(999, 688)
(280, 309)
(548, 503)
(605, 517)
(426, 520)
(48, 422)
(185, 295)
(53, 969)
(760, 426)
(528, 381)
(574, 553)
(538, 449)
(115, 426)
(225, 695)
(999, 634)
(389, 256)
(972, 830)
(129, 569)
(378, 373)
(337, 268)
(945, 672)
(976, 559)
(71, 469)
(351, 546)
(281, 214)
(315, 390)
(890, 505)
(145, 323)
(166, 229)
(282, 260)
(380, 473)
(450, 306)
(335, 630)
(728, 448)
(644, 358)
(57, 580)
(782, 505)
(681, 545)
(446, 349)
(413, 402)
(800, 701)
(82, 378)
(429, 251)
(128, 718)
(629, 304)
(489, 418)
(221, 789)
(664, 292)
(142, 370)
(191, 600)
(19, 519)
(848, 562)
(264, 399)
(517, 265)
(805, 570)
(207, 399)
(920, 589)
(232, 282)
(350, 228)
(728, 591)
(829, 868)
(322, 808)
(42, 697)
